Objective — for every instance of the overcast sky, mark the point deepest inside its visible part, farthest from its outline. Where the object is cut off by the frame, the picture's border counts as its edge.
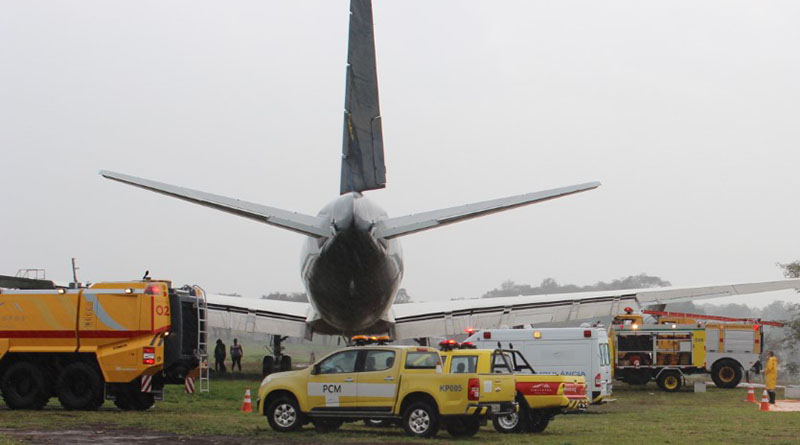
(688, 112)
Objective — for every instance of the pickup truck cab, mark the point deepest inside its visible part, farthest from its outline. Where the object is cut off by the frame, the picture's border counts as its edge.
(396, 383)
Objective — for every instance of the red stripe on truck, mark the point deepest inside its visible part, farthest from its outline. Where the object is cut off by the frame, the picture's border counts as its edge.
(84, 334)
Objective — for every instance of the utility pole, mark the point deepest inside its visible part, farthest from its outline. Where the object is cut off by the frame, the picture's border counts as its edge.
(74, 272)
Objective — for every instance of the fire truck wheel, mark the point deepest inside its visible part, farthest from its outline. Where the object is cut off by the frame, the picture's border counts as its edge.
(669, 381)
(286, 363)
(283, 415)
(726, 373)
(130, 397)
(267, 365)
(463, 426)
(538, 421)
(80, 387)
(23, 387)
(420, 419)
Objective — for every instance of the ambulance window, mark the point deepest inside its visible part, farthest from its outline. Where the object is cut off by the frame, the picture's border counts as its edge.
(342, 362)
(463, 364)
(378, 360)
(422, 360)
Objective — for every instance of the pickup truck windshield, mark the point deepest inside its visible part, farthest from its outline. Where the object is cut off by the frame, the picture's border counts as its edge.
(422, 360)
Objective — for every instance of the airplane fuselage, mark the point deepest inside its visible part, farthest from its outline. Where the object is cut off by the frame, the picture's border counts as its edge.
(351, 277)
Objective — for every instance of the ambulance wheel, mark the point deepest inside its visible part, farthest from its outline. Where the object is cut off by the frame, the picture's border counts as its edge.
(420, 419)
(726, 373)
(463, 426)
(283, 415)
(80, 387)
(267, 365)
(669, 381)
(538, 421)
(286, 363)
(326, 425)
(23, 387)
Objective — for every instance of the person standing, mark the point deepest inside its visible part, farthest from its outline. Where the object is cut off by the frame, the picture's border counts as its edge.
(236, 355)
(219, 356)
(771, 376)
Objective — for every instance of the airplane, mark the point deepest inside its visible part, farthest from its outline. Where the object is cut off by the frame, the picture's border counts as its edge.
(352, 262)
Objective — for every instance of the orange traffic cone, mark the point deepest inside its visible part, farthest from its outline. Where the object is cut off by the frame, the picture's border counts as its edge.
(247, 405)
(751, 396)
(764, 402)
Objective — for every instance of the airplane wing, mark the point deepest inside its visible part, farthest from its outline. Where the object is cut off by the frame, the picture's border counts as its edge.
(254, 315)
(297, 222)
(415, 320)
(404, 225)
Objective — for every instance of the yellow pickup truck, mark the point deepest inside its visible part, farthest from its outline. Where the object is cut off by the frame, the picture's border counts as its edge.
(540, 397)
(396, 383)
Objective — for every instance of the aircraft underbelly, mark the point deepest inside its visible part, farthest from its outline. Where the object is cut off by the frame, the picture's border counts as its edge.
(353, 281)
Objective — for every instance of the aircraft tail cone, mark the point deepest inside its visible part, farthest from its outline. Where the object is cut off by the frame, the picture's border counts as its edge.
(247, 405)
(764, 402)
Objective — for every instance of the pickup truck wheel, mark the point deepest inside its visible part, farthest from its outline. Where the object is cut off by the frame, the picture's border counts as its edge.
(421, 420)
(284, 415)
(463, 426)
(23, 387)
(80, 387)
(510, 423)
(378, 423)
(538, 421)
(326, 425)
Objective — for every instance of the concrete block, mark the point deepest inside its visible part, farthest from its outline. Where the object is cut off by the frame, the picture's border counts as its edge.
(699, 386)
(792, 392)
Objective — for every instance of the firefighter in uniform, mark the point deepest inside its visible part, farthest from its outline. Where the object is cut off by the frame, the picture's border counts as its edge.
(771, 376)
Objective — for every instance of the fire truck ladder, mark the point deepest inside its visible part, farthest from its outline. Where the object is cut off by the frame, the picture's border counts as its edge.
(713, 317)
(202, 338)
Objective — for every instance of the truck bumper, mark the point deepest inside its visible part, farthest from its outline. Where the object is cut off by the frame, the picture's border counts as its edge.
(490, 409)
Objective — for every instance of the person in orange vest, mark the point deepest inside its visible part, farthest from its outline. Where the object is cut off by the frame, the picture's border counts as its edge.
(771, 375)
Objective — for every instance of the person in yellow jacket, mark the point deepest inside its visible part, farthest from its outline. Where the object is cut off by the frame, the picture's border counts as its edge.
(771, 375)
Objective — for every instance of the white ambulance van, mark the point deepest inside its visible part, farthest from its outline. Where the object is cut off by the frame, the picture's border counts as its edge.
(563, 351)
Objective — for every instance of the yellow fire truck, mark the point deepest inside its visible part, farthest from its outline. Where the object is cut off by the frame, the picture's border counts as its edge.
(679, 344)
(121, 341)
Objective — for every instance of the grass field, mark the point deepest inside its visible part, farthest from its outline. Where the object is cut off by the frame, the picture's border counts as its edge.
(638, 415)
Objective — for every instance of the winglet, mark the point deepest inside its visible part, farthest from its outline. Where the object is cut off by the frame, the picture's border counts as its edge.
(297, 222)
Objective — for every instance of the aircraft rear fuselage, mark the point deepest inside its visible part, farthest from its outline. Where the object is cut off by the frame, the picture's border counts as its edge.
(351, 277)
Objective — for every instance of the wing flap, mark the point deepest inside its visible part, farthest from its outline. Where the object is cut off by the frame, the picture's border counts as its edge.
(405, 225)
(297, 222)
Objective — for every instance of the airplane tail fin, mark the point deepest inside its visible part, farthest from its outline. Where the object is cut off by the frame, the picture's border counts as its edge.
(405, 225)
(363, 165)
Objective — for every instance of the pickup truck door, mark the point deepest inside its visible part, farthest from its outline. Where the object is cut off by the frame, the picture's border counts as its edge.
(377, 382)
(333, 385)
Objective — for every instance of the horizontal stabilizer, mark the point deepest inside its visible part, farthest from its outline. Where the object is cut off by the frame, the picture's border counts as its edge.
(297, 222)
(404, 225)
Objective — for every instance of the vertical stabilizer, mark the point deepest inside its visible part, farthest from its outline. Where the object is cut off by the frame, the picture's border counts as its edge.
(362, 149)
